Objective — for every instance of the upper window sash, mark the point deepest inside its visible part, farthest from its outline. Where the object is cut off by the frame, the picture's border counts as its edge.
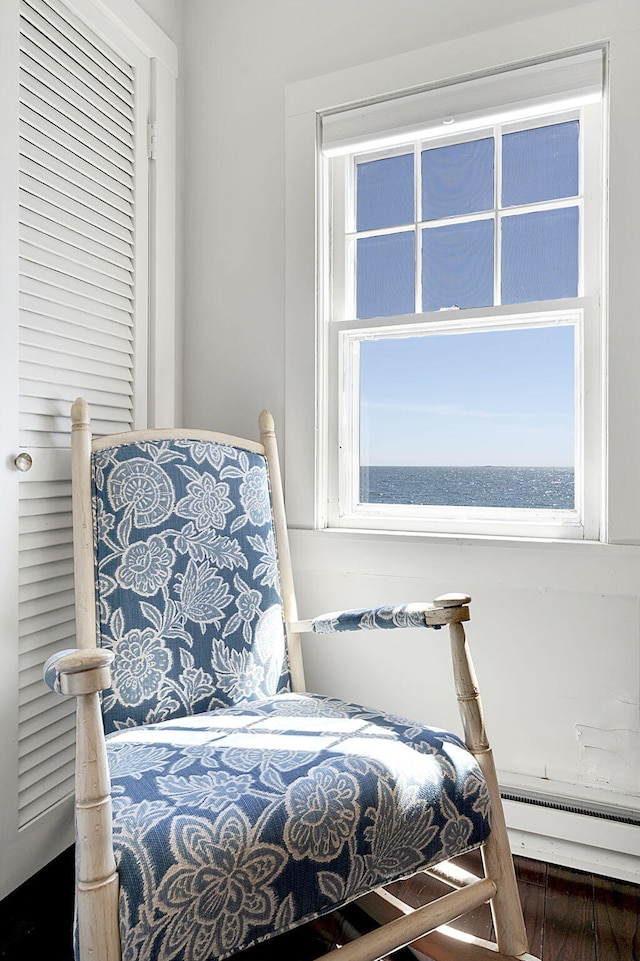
(346, 235)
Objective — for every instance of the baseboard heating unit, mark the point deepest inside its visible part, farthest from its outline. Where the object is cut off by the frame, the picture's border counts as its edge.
(608, 812)
(585, 834)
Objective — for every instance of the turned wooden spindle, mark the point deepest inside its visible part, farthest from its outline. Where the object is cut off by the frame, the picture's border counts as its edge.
(496, 853)
(84, 674)
(294, 646)
(84, 577)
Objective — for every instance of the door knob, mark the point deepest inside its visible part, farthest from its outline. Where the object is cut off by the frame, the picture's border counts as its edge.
(23, 461)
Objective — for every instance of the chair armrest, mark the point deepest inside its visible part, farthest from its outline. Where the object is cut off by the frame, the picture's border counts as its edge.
(76, 671)
(447, 609)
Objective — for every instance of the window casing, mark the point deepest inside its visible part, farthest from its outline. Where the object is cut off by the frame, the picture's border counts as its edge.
(569, 299)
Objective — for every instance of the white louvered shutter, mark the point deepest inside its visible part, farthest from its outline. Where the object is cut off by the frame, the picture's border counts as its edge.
(82, 198)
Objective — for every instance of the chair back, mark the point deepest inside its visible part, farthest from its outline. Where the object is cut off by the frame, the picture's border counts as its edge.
(186, 571)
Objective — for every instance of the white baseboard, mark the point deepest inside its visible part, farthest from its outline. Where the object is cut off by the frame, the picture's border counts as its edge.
(579, 841)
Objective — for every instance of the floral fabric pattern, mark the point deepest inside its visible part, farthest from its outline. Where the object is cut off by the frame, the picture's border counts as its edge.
(144, 488)
(400, 615)
(188, 592)
(146, 566)
(232, 825)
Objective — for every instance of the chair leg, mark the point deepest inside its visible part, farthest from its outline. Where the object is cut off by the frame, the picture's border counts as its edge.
(98, 885)
(506, 908)
(507, 911)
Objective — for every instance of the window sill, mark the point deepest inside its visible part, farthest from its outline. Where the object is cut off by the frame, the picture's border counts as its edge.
(460, 539)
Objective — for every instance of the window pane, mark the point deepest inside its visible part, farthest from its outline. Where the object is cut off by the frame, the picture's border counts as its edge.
(540, 164)
(385, 196)
(540, 255)
(482, 419)
(457, 265)
(457, 179)
(385, 275)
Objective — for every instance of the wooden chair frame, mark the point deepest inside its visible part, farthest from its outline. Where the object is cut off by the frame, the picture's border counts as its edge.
(85, 673)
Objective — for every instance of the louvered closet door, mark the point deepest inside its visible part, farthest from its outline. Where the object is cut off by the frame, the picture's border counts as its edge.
(83, 230)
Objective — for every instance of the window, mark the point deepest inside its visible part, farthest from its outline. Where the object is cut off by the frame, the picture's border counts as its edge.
(461, 306)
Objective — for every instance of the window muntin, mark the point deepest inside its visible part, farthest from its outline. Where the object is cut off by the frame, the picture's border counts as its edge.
(507, 247)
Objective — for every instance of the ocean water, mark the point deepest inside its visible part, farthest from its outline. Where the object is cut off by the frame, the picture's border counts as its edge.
(551, 488)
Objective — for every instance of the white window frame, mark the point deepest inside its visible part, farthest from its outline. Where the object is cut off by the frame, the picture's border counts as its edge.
(339, 335)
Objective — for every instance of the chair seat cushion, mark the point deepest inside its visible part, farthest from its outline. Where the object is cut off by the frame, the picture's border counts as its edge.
(232, 826)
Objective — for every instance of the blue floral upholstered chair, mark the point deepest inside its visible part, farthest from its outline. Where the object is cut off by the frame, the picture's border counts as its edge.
(218, 803)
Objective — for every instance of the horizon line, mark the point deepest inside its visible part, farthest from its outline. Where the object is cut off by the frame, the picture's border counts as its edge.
(492, 466)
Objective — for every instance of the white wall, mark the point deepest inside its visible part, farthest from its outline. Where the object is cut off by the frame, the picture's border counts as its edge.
(238, 57)
(167, 14)
(555, 627)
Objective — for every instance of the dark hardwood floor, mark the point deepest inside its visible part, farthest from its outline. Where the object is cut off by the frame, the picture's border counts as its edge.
(36, 920)
(570, 916)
